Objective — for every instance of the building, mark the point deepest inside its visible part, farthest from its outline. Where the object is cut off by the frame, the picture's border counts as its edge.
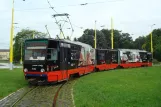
(4, 54)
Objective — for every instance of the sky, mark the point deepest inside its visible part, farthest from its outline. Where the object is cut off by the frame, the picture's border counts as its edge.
(132, 16)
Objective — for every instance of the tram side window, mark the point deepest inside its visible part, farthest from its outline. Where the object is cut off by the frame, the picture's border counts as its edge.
(129, 55)
(114, 57)
(75, 52)
(52, 54)
(108, 56)
(74, 55)
(149, 57)
(101, 56)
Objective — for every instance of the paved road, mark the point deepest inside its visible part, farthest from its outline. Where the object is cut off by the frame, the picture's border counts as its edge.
(6, 65)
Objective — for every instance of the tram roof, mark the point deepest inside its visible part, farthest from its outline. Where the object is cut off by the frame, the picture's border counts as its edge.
(132, 50)
(64, 40)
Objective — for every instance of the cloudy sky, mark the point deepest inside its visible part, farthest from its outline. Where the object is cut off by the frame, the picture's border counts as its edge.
(132, 16)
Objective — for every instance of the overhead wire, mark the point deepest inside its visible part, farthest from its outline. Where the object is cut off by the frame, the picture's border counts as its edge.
(68, 6)
(100, 2)
(52, 7)
(71, 5)
(61, 27)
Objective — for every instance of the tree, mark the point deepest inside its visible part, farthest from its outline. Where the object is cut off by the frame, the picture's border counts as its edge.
(126, 41)
(75, 39)
(101, 40)
(87, 37)
(139, 42)
(157, 44)
(21, 36)
(121, 40)
(145, 43)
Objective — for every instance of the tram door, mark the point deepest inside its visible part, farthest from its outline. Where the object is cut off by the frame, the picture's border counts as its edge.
(149, 57)
(108, 56)
(64, 62)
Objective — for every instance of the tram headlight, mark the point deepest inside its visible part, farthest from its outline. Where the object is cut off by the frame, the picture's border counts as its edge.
(42, 70)
(25, 70)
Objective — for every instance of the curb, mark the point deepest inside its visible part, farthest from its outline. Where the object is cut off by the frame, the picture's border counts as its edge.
(11, 94)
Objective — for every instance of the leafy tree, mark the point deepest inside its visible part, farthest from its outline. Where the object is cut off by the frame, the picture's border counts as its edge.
(107, 34)
(145, 43)
(75, 39)
(21, 36)
(87, 37)
(139, 42)
(121, 40)
(157, 44)
(126, 41)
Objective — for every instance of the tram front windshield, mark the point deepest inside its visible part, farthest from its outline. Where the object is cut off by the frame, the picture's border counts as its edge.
(35, 50)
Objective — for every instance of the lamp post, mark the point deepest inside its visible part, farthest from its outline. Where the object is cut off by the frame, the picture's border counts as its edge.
(102, 26)
(11, 37)
(151, 40)
(112, 45)
(21, 51)
(95, 37)
(21, 54)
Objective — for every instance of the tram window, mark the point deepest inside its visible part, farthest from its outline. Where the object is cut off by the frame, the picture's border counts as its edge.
(52, 54)
(35, 54)
(75, 55)
(101, 56)
(113, 56)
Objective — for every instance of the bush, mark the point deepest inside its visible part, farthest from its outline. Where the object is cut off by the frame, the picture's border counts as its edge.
(155, 61)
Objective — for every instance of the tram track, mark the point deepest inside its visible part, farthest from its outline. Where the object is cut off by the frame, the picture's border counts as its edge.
(56, 94)
(39, 96)
(45, 95)
(49, 95)
(65, 94)
(19, 99)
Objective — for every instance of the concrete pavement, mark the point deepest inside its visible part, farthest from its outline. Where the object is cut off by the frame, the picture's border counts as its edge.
(6, 66)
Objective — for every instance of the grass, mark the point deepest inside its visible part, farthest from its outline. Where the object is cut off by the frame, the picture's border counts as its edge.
(10, 81)
(137, 87)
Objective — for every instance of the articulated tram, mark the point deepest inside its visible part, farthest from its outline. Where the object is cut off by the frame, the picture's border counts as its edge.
(52, 60)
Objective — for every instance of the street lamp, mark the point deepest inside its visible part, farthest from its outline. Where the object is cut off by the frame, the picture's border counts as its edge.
(95, 37)
(15, 23)
(102, 26)
(151, 39)
(21, 50)
(11, 37)
(112, 43)
(21, 42)
(83, 4)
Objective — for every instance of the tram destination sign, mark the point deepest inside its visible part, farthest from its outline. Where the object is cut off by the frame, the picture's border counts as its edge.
(36, 44)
